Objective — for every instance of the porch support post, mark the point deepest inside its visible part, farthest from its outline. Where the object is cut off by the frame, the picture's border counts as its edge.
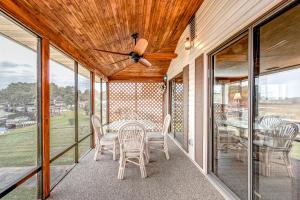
(45, 104)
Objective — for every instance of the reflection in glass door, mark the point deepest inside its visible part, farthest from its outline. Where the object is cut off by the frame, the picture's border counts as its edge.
(276, 119)
(230, 116)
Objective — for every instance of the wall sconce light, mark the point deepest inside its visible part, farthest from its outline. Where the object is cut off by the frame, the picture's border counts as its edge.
(165, 78)
(187, 44)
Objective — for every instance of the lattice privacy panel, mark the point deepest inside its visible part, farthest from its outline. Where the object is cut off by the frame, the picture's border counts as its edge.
(145, 99)
(177, 107)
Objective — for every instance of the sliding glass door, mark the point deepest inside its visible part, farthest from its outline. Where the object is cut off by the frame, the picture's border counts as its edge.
(230, 115)
(276, 117)
(258, 157)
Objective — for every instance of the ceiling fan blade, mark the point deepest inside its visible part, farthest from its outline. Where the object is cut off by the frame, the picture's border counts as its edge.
(145, 62)
(122, 69)
(160, 56)
(119, 61)
(141, 46)
(113, 52)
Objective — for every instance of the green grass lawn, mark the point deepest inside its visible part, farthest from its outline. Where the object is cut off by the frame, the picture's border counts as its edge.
(18, 148)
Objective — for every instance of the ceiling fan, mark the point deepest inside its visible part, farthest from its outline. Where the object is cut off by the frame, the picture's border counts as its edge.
(138, 54)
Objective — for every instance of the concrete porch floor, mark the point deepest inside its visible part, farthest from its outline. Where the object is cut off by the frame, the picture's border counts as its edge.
(177, 178)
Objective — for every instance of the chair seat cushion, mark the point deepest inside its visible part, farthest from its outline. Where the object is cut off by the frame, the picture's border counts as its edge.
(268, 143)
(155, 136)
(227, 130)
(258, 142)
(109, 137)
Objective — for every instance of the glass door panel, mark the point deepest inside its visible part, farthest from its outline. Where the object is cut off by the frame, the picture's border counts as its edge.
(276, 141)
(177, 108)
(230, 116)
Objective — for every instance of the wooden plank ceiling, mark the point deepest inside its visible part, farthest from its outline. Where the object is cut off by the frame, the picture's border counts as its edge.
(108, 25)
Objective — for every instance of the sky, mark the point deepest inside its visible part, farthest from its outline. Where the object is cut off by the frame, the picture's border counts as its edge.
(285, 84)
(18, 64)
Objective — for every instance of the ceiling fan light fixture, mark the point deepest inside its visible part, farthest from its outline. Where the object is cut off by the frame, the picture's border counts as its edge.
(135, 57)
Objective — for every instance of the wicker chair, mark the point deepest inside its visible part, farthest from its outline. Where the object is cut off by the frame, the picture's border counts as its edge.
(158, 141)
(270, 122)
(132, 144)
(225, 135)
(280, 140)
(108, 141)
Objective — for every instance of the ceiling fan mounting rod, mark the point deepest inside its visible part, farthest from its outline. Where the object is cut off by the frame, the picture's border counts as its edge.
(135, 36)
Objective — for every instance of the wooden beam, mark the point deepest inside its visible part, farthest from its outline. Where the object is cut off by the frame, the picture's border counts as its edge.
(232, 58)
(230, 79)
(135, 79)
(160, 56)
(45, 103)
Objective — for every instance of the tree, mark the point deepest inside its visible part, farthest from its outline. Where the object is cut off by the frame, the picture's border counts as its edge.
(22, 94)
(19, 94)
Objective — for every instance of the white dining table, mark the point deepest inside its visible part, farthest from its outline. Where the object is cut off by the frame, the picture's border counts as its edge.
(114, 126)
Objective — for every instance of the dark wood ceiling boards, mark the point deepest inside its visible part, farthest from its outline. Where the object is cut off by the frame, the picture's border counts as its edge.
(108, 25)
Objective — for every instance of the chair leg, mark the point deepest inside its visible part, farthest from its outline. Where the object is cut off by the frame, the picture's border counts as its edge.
(166, 151)
(121, 167)
(288, 164)
(117, 148)
(147, 154)
(268, 162)
(101, 148)
(142, 167)
(264, 163)
(114, 150)
(98, 147)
